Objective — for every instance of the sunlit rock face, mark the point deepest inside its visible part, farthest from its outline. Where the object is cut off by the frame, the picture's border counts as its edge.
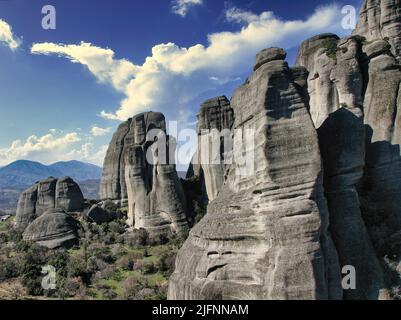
(265, 234)
(381, 19)
(140, 173)
(210, 163)
(354, 90)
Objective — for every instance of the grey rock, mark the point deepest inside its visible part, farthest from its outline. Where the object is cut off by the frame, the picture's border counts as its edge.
(156, 201)
(26, 210)
(99, 215)
(68, 195)
(381, 189)
(323, 97)
(215, 120)
(381, 19)
(46, 195)
(53, 229)
(376, 48)
(110, 186)
(268, 55)
(342, 145)
(63, 194)
(335, 78)
(265, 235)
(151, 191)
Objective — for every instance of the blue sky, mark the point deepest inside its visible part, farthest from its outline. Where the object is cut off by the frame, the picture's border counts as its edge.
(132, 56)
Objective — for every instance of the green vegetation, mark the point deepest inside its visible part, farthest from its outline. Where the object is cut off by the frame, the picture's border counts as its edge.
(107, 264)
(331, 47)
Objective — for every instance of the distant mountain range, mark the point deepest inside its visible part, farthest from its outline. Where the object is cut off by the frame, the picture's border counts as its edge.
(26, 173)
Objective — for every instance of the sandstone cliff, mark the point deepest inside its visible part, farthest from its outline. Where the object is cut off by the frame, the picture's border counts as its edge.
(139, 172)
(259, 227)
(265, 235)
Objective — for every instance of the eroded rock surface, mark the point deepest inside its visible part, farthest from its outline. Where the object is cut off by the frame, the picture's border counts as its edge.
(47, 194)
(265, 235)
(381, 19)
(215, 120)
(53, 229)
(145, 177)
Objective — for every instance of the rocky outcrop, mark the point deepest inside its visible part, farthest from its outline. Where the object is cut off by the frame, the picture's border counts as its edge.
(68, 195)
(110, 186)
(216, 118)
(381, 191)
(265, 234)
(99, 215)
(335, 78)
(342, 145)
(53, 229)
(140, 172)
(26, 210)
(47, 194)
(354, 89)
(381, 19)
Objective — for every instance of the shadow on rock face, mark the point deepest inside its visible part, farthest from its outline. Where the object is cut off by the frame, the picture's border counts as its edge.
(342, 145)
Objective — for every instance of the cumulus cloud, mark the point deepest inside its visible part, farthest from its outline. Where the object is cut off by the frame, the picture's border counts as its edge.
(100, 62)
(88, 153)
(7, 36)
(181, 7)
(237, 15)
(173, 76)
(51, 147)
(98, 132)
(37, 148)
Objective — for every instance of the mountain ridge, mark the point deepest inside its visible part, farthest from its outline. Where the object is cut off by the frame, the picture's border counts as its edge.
(26, 172)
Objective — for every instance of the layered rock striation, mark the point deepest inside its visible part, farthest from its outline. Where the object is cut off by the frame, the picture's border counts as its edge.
(63, 194)
(139, 172)
(265, 234)
(215, 120)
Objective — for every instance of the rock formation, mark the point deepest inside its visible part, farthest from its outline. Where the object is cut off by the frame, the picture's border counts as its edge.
(215, 120)
(265, 235)
(53, 229)
(99, 215)
(50, 193)
(139, 170)
(381, 19)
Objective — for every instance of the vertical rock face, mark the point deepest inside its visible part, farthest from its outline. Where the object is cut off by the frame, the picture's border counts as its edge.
(110, 187)
(342, 145)
(381, 19)
(140, 171)
(68, 195)
(381, 192)
(359, 135)
(335, 79)
(265, 235)
(26, 209)
(46, 195)
(216, 118)
(63, 194)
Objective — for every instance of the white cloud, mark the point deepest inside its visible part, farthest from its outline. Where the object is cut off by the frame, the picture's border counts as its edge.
(100, 62)
(52, 147)
(237, 15)
(181, 7)
(173, 76)
(38, 148)
(88, 153)
(98, 132)
(7, 36)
